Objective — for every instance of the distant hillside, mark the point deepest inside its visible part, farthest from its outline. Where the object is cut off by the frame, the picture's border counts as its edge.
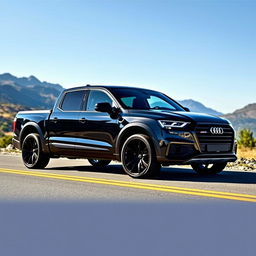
(7, 114)
(196, 106)
(244, 118)
(28, 81)
(28, 91)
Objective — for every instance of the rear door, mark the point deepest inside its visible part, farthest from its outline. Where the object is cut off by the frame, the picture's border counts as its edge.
(98, 130)
(64, 123)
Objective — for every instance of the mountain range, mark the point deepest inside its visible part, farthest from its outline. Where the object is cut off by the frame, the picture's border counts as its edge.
(31, 93)
(28, 91)
(244, 118)
(196, 106)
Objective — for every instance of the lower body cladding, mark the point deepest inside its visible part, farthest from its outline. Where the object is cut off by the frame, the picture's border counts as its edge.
(185, 148)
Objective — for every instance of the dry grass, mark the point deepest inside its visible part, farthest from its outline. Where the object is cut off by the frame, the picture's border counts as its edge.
(8, 133)
(6, 115)
(247, 153)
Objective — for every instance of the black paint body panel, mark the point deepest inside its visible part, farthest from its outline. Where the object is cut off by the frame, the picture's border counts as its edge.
(91, 134)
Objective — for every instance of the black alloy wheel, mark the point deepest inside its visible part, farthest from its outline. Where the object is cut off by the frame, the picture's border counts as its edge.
(208, 169)
(32, 154)
(98, 162)
(138, 157)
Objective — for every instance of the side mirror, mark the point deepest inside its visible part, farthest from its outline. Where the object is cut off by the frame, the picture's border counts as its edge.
(103, 107)
(187, 109)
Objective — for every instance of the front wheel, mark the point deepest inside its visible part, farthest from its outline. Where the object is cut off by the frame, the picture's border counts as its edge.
(32, 155)
(98, 162)
(138, 157)
(208, 169)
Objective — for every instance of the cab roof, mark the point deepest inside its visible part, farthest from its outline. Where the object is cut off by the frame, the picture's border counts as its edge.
(108, 87)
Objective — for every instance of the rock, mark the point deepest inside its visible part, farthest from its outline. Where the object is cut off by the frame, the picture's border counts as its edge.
(9, 147)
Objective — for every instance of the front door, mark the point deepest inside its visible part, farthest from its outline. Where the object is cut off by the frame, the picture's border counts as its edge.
(98, 130)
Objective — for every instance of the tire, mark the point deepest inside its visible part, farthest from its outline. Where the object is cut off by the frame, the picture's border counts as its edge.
(98, 162)
(208, 169)
(32, 154)
(138, 157)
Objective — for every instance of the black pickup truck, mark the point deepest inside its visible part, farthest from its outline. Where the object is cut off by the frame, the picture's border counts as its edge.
(142, 128)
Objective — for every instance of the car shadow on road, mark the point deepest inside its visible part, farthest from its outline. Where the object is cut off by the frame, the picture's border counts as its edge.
(174, 174)
(114, 169)
(228, 176)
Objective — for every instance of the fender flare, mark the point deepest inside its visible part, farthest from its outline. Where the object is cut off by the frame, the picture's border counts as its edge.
(40, 133)
(131, 126)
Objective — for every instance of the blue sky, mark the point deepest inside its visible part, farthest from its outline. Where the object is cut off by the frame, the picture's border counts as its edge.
(204, 50)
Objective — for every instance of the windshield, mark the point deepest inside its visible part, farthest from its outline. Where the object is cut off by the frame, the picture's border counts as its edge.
(144, 99)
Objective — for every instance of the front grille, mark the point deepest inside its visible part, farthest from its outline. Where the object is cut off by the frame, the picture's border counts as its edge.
(215, 142)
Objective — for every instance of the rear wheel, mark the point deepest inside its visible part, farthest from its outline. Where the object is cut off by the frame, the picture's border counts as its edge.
(207, 169)
(98, 162)
(138, 157)
(32, 154)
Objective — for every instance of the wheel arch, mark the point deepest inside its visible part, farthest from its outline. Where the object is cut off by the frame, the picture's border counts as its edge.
(131, 129)
(32, 127)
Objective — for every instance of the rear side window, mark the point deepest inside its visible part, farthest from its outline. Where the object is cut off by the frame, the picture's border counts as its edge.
(73, 101)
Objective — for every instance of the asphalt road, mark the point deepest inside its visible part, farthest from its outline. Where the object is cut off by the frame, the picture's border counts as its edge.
(65, 179)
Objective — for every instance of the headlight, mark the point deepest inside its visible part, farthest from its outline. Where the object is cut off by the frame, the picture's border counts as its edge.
(172, 124)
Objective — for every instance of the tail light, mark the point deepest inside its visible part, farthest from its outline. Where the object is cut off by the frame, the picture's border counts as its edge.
(14, 125)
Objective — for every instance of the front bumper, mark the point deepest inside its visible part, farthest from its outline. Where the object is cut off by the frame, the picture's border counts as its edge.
(181, 150)
(210, 158)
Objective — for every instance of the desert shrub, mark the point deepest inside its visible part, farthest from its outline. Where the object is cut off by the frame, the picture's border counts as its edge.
(5, 141)
(246, 139)
(5, 127)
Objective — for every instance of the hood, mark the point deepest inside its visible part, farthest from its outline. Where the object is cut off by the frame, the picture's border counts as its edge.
(178, 115)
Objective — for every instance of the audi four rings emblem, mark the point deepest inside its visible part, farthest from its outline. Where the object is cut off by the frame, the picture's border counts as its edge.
(216, 130)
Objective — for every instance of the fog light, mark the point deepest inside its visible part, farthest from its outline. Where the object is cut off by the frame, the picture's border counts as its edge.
(185, 135)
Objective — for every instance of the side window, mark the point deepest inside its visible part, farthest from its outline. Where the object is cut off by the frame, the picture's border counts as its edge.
(73, 101)
(95, 97)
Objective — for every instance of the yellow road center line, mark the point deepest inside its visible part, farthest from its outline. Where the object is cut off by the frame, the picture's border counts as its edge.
(139, 185)
(128, 182)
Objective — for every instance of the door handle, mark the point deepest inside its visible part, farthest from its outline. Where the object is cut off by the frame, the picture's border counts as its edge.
(82, 120)
(55, 120)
